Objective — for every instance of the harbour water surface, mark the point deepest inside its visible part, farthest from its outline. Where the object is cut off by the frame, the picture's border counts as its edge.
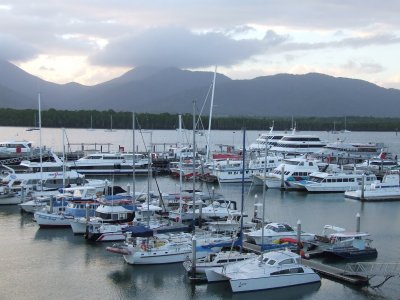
(55, 264)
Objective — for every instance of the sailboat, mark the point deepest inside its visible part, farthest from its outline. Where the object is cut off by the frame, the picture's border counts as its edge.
(334, 131)
(91, 124)
(111, 125)
(35, 127)
(345, 126)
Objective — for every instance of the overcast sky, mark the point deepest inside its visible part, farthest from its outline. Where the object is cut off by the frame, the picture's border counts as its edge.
(92, 41)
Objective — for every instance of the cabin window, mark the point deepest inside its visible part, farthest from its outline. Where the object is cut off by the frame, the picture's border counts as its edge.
(271, 262)
(287, 261)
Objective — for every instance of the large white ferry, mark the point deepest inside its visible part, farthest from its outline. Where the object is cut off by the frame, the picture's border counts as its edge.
(111, 163)
(270, 139)
(296, 144)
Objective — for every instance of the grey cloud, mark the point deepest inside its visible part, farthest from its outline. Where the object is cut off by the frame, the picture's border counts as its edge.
(363, 67)
(182, 48)
(378, 39)
(13, 49)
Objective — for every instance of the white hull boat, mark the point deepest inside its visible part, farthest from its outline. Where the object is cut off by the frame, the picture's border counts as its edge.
(275, 269)
(273, 233)
(213, 260)
(165, 249)
(388, 189)
(51, 220)
(336, 182)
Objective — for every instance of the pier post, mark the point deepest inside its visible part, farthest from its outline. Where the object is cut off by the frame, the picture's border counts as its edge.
(106, 187)
(200, 214)
(362, 187)
(87, 213)
(298, 236)
(51, 204)
(194, 256)
(283, 177)
(23, 187)
(358, 226)
(128, 190)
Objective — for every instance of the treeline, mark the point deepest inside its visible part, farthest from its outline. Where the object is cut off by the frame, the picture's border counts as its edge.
(123, 120)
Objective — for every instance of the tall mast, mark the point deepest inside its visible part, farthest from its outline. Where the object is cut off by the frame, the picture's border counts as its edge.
(210, 116)
(194, 165)
(134, 160)
(180, 170)
(40, 145)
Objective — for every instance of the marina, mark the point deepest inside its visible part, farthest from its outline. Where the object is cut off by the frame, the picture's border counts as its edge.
(65, 265)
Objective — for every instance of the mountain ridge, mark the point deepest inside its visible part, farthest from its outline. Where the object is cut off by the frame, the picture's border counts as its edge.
(171, 90)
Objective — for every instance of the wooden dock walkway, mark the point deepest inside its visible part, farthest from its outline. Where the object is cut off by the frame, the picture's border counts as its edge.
(335, 273)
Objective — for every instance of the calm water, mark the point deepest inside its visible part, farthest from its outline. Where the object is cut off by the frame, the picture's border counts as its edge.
(55, 264)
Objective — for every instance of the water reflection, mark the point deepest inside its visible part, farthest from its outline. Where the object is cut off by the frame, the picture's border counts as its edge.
(296, 292)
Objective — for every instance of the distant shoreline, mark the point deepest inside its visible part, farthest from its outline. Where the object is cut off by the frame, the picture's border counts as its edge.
(86, 119)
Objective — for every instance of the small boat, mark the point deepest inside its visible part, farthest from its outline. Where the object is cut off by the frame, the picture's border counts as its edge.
(230, 171)
(100, 231)
(217, 210)
(219, 259)
(111, 163)
(334, 182)
(230, 225)
(38, 200)
(270, 270)
(74, 208)
(338, 242)
(291, 170)
(163, 248)
(351, 245)
(186, 211)
(388, 189)
(273, 233)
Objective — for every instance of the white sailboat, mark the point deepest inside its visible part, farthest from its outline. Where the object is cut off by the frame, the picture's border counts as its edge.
(111, 125)
(91, 124)
(345, 126)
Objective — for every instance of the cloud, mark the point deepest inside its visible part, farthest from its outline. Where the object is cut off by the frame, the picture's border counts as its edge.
(363, 67)
(182, 48)
(13, 49)
(353, 42)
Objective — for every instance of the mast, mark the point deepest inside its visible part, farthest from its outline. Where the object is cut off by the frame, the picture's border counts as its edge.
(210, 116)
(63, 153)
(40, 145)
(180, 171)
(134, 160)
(242, 196)
(263, 195)
(194, 165)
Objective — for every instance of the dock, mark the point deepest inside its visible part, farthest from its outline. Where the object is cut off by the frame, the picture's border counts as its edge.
(336, 273)
(322, 269)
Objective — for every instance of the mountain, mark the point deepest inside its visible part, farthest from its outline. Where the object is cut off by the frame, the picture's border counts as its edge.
(156, 90)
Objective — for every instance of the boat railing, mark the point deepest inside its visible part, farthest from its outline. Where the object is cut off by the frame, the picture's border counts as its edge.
(371, 269)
